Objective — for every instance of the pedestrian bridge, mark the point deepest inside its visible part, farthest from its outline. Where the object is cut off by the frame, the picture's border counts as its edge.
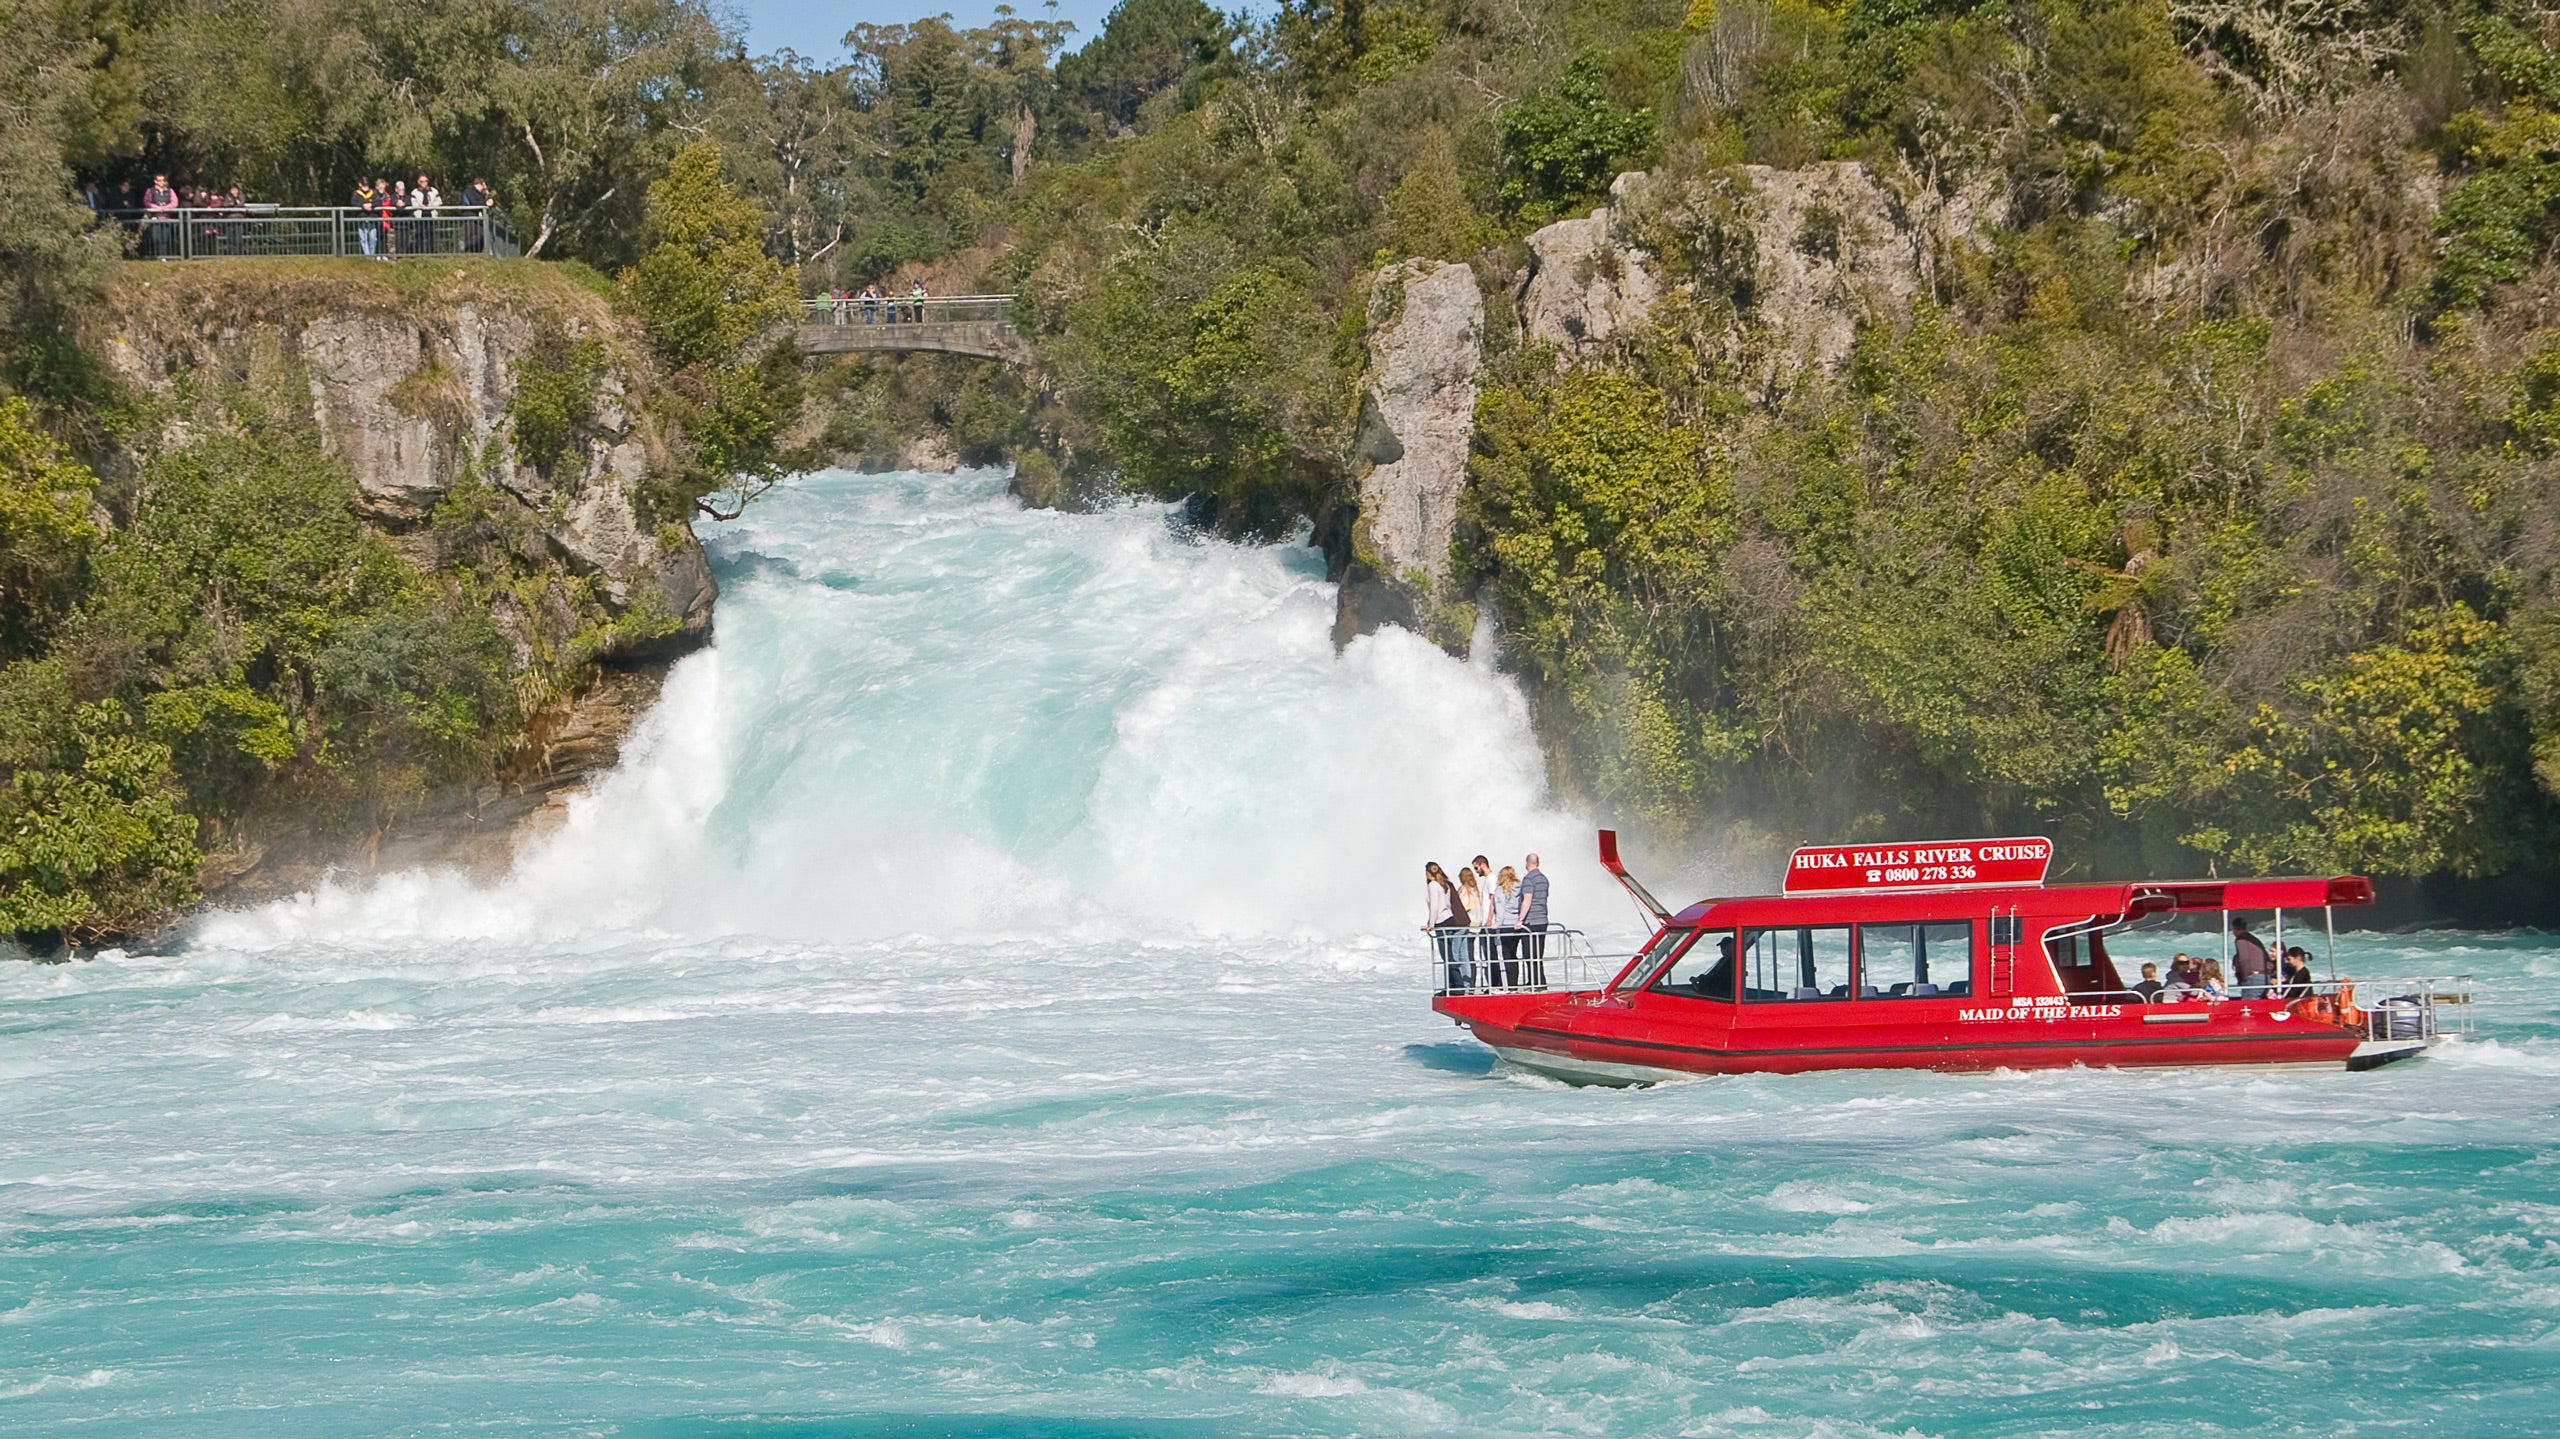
(980, 325)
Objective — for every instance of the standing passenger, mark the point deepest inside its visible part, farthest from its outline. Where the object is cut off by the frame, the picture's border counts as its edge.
(1533, 917)
(2249, 961)
(1533, 908)
(1474, 912)
(1440, 917)
(1506, 925)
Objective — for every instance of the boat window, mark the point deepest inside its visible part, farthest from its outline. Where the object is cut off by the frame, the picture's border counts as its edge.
(1915, 961)
(1796, 962)
(1653, 956)
(1703, 971)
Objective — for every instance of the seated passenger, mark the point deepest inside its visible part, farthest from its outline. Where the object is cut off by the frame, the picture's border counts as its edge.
(2149, 986)
(2214, 990)
(2296, 974)
(2186, 978)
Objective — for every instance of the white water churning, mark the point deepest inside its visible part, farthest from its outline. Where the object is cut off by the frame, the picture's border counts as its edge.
(986, 1002)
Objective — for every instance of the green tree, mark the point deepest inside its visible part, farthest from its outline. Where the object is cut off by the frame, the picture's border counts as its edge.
(98, 849)
(1561, 144)
(45, 533)
(711, 300)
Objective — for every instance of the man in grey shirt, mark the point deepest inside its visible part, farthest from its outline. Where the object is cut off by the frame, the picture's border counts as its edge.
(1533, 909)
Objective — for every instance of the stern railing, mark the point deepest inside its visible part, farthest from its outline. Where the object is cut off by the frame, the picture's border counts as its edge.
(2426, 1007)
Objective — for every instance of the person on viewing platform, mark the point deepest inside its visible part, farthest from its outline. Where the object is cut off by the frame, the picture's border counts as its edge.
(160, 209)
(385, 201)
(94, 197)
(2249, 961)
(475, 236)
(2149, 985)
(424, 200)
(871, 309)
(915, 302)
(364, 203)
(2296, 974)
(2214, 990)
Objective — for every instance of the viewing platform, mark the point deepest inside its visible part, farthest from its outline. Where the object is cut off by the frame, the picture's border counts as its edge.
(228, 231)
(980, 325)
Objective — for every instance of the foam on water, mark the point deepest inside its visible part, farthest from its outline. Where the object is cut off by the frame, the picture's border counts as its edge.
(986, 1002)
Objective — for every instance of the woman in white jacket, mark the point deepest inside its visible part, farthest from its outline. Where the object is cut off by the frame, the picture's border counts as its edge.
(1445, 922)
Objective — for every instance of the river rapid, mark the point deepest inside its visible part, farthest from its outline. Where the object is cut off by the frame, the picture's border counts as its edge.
(985, 1002)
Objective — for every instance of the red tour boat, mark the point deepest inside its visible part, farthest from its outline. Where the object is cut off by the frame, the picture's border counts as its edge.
(1951, 955)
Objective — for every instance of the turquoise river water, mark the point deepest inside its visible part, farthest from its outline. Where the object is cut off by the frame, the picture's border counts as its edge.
(985, 1003)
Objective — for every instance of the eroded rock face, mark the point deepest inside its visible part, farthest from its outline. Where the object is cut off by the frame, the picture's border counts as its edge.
(1417, 412)
(413, 392)
(1779, 267)
(413, 384)
(1426, 361)
(1589, 283)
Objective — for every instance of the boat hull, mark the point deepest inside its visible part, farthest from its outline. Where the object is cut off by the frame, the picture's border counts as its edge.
(1589, 1039)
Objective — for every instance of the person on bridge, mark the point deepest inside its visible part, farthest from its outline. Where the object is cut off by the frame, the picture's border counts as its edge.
(870, 304)
(915, 302)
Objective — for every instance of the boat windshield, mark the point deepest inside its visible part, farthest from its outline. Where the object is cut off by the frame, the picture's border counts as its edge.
(1649, 961)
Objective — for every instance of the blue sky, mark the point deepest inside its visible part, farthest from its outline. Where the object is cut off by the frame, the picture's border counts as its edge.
(816, 28)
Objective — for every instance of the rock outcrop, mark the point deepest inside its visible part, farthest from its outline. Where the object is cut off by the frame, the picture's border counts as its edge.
(412, 378)
(1589, 284)
(1417, 412)
(414, 388)
(1777, 268)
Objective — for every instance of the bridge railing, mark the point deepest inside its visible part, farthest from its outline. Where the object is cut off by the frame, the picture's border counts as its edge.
(314, 230)
(909, 310)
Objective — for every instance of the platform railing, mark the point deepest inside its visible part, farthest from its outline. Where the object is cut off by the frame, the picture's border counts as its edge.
(909, 309)
(248, 230)
(1519, 961)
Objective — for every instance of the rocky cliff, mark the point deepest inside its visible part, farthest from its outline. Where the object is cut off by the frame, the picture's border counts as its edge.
(1769, 271)
(497, 421)
(1426, 361)
(1777, 268)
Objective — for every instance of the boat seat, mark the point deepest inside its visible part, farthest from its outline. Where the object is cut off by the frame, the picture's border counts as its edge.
(1923, 990)
(1869, 991)
(1959, 989)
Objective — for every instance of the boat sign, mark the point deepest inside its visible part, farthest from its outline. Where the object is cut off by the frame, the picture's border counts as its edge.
(1938, 864)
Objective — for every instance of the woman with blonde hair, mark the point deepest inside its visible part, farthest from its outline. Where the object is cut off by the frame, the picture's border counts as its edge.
(1472, 912)
(1505, 903)
(2214, 992)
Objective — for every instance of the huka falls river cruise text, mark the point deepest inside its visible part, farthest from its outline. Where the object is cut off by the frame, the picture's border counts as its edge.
(1953, 955)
